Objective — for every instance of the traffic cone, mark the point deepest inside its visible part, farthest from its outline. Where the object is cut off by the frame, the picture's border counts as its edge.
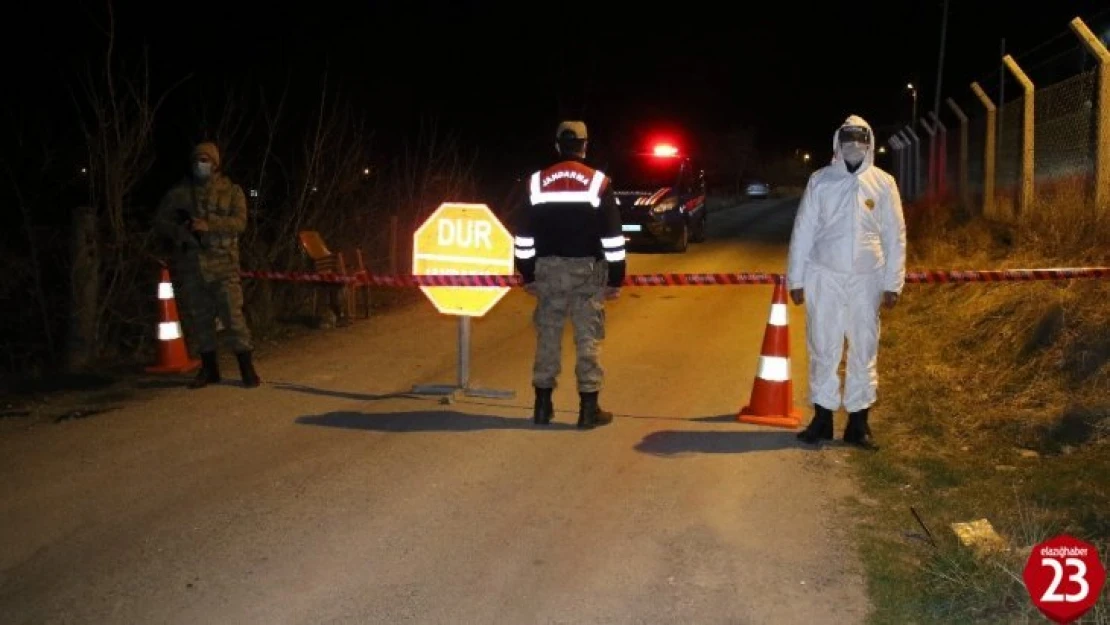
(772, 400)
(172, 354)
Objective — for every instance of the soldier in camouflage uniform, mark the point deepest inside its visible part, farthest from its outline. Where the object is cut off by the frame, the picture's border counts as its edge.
(201, 218)
(570, 252)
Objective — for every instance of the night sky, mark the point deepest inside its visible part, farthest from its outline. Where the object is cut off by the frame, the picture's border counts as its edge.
(503, 74)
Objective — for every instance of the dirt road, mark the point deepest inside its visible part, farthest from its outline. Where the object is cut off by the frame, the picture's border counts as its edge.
(328, 496)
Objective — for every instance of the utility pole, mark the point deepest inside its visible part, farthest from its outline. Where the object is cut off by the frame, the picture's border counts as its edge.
(913, 94)
(940, 62)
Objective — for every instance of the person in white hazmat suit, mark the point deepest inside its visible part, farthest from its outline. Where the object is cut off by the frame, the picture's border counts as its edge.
(847, 258)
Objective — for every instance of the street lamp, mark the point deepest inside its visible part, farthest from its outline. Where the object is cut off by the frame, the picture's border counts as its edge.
(913, 92)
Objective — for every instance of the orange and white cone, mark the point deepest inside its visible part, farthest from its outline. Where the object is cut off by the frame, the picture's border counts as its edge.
(172, 354)
(772, 400)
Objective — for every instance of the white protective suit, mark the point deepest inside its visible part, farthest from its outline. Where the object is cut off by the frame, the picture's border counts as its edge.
(848, 247)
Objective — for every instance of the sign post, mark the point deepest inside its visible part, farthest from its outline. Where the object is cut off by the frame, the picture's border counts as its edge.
(462, 239)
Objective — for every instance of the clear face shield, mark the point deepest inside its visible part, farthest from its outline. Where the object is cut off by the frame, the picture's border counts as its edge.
(854, 142)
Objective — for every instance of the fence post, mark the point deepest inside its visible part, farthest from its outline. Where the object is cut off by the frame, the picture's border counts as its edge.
(1102, 114)
(988, 150)
(963, 176)
(85, 256)
(907, 186)
(917, 182)
(931, 162)
(907, 154)
(942, 155)
(897, 149)
(1025, 204)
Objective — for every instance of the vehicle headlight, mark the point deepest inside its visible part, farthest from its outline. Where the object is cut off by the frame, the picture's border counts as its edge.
(664, 206)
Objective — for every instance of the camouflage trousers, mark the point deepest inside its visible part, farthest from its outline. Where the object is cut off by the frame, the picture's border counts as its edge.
(203, 299)
(569, 287)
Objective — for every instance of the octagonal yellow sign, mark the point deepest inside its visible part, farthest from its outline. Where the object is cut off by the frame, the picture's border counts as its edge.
(463, 239)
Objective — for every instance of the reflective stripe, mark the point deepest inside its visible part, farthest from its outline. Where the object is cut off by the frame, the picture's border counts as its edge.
(774, 368)
(595, 184)
(779, 315)
(525, 254)
(465, 259)
(567, 197)
(592, 195)
(647, 200)
(524, 241)
(614, 256)
(168, 331)
(165, 290)
(612, 242)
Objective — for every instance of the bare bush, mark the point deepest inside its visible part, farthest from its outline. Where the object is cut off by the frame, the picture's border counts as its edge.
(27, 170)
(321, 170)
(302, 169)
(116, 111)
(430, 170)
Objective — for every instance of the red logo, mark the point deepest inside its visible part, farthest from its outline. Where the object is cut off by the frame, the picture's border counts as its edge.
(1064, 577)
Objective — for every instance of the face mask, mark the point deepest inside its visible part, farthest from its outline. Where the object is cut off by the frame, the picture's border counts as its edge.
(853, 152)
(202, 170)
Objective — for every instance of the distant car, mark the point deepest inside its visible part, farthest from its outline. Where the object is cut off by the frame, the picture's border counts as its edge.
(758, 190)
(661, 195)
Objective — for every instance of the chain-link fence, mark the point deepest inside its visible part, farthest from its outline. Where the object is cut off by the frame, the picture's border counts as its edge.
(990, 173)
(1064, 130)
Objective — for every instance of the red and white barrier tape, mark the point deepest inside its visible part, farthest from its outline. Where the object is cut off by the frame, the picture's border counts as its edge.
(1008, 275)
(684, 279)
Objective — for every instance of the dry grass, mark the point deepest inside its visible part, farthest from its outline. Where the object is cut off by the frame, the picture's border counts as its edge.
(994, 403)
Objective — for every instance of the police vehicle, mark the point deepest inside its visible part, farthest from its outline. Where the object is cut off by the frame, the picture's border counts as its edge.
(661, 194)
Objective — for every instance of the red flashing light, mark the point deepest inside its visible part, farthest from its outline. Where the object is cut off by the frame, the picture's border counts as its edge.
(665, 150)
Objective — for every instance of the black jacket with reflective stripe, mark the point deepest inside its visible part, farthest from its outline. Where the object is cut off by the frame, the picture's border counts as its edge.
(569, 211)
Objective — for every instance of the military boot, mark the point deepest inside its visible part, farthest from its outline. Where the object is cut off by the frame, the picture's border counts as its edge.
(821, 427)
(603, 415)
(857, 432)
(246, 370)
(590, 415)
(543, 410)
(209, 371)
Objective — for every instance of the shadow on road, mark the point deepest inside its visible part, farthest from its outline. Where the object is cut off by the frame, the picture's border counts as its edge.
(424, 421)
(572, 412)
(677, 442)
(310, 390)
(162, 383)
(724, 418)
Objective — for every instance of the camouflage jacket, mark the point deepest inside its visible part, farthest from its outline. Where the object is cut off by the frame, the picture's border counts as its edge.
(223, 205)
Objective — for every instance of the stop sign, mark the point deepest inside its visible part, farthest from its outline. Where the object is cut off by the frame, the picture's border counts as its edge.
(462, 239)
